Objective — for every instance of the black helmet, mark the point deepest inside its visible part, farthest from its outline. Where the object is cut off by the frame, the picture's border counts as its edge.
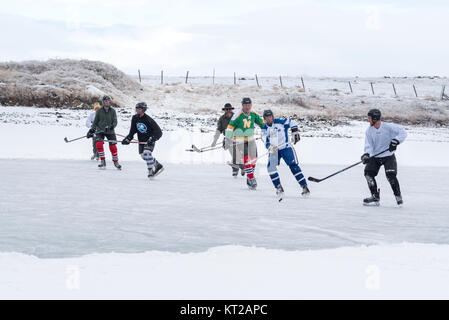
(106, 98)
(246, 101)
(142, 105)
(227, 106)
(375, 114)
(268, 113)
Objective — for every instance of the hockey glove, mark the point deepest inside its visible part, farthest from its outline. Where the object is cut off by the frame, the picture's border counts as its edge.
(393, 145)
(365, 158)
(90, 133)
(126, 141)
(295, 136)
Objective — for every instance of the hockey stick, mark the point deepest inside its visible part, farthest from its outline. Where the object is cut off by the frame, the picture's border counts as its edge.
(267, 153)
(122, 136)
(210, 148)
(116, 141)
(205, 149)
(68, 141)
(347, 168)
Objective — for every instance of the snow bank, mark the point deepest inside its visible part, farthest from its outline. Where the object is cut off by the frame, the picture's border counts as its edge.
(63, 83)
(411, 271)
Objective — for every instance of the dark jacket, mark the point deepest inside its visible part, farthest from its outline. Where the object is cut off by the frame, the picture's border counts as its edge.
(223, 123)
(145, 127)
(105, 119)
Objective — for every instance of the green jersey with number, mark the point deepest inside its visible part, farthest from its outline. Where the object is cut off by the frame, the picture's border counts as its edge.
(241, 125)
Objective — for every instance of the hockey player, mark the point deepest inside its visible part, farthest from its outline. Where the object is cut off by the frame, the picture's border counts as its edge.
(147, 131)
(381, 136)
(103, 127)
(89, 121)
(222, 124)
(241, 130)
(277, 141)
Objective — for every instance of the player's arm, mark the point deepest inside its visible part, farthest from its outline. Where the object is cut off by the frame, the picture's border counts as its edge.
(259, 121)
(265, 136)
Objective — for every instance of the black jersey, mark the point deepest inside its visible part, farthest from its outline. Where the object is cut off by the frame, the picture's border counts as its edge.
(145, 127)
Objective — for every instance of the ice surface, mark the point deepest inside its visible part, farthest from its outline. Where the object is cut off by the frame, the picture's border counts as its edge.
(54, 209)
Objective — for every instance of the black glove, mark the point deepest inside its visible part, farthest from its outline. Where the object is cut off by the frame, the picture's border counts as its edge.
(150, 144)
(127, 140)
(365, 158)
(295, 135)
(393, 145)
(90, 133)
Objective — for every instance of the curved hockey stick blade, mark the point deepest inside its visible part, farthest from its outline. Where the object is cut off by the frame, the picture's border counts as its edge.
(66, 140)
(314, 179)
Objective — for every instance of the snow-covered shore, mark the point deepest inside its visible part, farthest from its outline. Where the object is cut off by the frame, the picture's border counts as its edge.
(402, 271)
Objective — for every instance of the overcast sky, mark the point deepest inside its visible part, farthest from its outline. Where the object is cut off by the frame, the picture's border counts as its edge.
(268, 37)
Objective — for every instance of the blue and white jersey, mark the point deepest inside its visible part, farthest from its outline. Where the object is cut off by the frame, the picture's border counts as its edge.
(277, 133)
(378, 140)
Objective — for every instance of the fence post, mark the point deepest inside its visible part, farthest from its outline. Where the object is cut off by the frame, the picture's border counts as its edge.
(213, 77)
(350, 86)
(372, 88)
(303, 86)
(280, 80)
(442, 92)
(416, 92)
(162, 77)
(394, 89)
(187, 76)
(235, 79)
(140, 78)
(257, 81)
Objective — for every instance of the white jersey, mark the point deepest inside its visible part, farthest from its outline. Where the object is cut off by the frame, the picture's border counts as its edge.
(90, 119)
(277, 133)
(378, 140)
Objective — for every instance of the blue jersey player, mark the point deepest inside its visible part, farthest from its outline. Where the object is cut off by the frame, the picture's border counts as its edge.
(276, 136)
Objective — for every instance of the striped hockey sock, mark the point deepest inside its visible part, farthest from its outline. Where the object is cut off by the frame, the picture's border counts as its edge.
(275, 178)
(100, 149)
(149, 159)
(296, 170)
(114, 152)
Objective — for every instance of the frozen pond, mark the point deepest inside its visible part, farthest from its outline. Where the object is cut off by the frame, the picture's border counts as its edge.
(54, 209)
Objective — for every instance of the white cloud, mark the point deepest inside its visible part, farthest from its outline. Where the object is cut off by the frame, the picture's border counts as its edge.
(265, 36)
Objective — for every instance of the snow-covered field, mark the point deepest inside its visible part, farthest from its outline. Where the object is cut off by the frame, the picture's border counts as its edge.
(68, 230)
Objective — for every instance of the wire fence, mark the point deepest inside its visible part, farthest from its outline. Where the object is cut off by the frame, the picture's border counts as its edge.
(417, 87)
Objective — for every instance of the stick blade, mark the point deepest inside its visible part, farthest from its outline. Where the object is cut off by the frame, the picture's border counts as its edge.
(66, 140)
(312, 179)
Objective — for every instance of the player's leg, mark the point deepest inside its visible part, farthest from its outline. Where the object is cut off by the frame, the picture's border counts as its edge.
(371, 171)
(291, 159)
(391, 171)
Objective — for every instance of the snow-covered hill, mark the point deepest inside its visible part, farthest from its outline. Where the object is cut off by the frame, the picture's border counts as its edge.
(64, 84)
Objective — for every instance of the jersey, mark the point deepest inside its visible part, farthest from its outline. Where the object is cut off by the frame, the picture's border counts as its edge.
(277, 133)
(145, 127)
(242, 126)
(378, 140)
